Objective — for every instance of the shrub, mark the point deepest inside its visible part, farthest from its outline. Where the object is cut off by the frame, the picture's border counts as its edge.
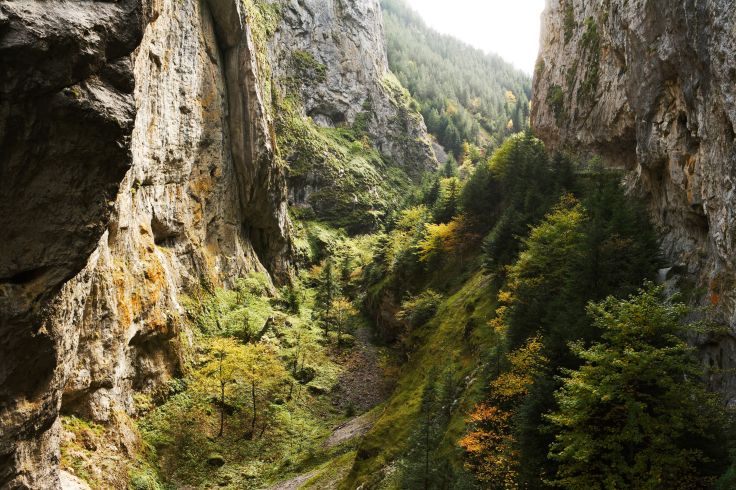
(419, 309)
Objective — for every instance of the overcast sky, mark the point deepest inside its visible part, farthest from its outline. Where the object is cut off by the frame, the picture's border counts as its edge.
(509, 28)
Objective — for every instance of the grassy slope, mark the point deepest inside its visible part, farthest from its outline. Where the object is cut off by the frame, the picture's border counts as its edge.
(442, 344)
(351, 185)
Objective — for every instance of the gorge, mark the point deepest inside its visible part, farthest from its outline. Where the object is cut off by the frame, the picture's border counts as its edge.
(176, 172)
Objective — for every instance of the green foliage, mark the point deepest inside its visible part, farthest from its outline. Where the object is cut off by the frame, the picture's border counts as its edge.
(635, 414)
(276, 408)
(236, 374)
(584, 249)
(240, 312)
(591, 45)
(263, 18)
(316, 241)
(556, 102)
(513, 190)
(479, 198)
(144, 479)
(419, 309)
(328, 286)
(540, 281)
(422, 466)
(464, 94)
(307, 68)
(448, 203)
(354, 187)
(397, 434)
(569, 22)
(578, 253)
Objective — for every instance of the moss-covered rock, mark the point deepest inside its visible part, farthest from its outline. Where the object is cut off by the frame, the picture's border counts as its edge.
(215, 459)
(335, 174)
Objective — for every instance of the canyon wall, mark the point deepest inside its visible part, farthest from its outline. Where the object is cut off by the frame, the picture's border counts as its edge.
(650, 86)
(137, 164)
(334, 51)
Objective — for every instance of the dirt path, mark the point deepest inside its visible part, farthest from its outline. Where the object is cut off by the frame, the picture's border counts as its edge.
(351, 429)
(295, 483)
(363, 384)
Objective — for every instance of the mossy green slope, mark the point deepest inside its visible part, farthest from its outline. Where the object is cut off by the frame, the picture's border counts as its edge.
(335, 174)
(454, 339)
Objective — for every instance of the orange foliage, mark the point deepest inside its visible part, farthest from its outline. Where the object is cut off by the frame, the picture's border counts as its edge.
(491, 447)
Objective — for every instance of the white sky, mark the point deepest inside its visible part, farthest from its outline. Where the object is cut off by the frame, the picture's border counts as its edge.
(509, 28)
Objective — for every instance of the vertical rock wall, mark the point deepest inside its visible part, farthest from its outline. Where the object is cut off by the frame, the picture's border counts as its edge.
(137, 162)
(66, 116)
(650, 85)
(334, 52)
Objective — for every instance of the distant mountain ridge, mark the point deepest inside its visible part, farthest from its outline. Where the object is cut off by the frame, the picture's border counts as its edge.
(464, 94)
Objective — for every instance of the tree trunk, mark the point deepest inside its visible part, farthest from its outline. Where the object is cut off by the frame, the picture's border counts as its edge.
(253, 421)
(426, 456)
(222, 402)
(222, 409)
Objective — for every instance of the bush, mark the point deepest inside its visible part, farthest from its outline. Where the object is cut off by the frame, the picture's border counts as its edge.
(144, 479)
(419, 309)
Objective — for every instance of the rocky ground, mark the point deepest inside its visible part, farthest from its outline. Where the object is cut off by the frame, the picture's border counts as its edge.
(365, 383)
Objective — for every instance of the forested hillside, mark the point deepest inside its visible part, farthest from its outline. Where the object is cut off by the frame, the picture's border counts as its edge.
(464, 94)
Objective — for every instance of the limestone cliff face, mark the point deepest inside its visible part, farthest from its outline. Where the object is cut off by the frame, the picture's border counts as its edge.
(137, 162)
(650, 85)
(334, 52)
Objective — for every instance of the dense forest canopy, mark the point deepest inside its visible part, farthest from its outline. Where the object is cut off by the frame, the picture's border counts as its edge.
(464, 94)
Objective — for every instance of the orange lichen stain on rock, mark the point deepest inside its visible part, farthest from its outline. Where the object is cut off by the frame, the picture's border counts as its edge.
(144, 298)
(202, 186)
(210, 255)
(152, 287)
(690, 171)
(197, 213)
(121, 294)
(716, 285)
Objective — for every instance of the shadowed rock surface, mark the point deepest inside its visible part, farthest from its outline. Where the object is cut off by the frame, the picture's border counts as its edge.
(650, 85)
(137, 163)
(66, 117)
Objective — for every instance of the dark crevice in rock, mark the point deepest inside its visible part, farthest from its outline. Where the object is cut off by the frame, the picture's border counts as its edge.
(26, 276)
(261, 183)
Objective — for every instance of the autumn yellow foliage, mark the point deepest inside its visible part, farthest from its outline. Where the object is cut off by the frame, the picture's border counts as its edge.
(443, 238)
(491, 447)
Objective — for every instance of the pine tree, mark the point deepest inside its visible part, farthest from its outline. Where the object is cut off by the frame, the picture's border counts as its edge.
(449, 202)
(450, 167)
(328, 289)
(433, 192)
(328, 286)
(636, 415)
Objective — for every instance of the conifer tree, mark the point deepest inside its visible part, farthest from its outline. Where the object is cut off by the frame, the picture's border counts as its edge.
(449, 203)
(635, 414)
